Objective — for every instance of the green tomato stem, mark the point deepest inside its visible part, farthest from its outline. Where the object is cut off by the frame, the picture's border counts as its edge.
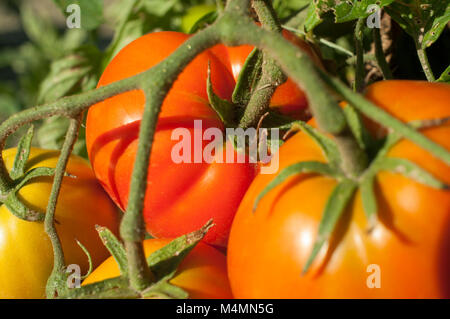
(132, 228)
(359, 48)
(56, 278)
(379, 54)
(271, 75)
(423, 58)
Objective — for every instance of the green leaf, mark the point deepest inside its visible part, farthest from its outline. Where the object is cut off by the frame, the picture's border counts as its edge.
(22, 154)
(295, 169)
(159, 7)
(165, 261)
(356, 9)
(335, 206)
(424, 20)
(115, 247)
(52, 132)
(248, 78)
(91, 11)
(67, 74)
(445, 76)
(204, 21)
(224, 109)
(411, 170)
(40, 31)
(313, 16)
(343, 10)
(132, 29)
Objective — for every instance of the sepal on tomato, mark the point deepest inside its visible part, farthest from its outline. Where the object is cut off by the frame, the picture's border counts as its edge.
(248, 78)
(115, 247)
(20, 178)
(23, 152)
(224, 109)
(163, 263)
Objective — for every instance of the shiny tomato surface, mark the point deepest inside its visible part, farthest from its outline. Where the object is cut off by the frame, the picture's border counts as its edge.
(407, 251)
(181, 197)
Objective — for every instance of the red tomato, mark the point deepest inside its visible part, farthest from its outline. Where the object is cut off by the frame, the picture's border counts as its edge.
(180, 197)
(288, 98)
(408, 248)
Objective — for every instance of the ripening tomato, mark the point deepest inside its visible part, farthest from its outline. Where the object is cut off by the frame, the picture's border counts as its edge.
(202, 273)
(181, 197)
(288, 98)
(406, 254)
(26, 254)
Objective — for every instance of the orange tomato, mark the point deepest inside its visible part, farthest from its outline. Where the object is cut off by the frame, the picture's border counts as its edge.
(408, 249)
(202, 273)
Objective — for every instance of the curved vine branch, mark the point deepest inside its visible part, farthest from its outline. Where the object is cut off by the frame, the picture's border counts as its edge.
(271, 74)
(56, 277)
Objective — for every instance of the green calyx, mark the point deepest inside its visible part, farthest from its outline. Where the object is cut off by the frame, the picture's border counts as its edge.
(20, 177)
(345, 189)
(163, 264)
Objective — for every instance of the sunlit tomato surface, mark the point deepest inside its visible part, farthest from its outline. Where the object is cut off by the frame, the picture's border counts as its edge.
(406, 254)
(288, 98)
(181, 197)
(26, 255)
(202, 273)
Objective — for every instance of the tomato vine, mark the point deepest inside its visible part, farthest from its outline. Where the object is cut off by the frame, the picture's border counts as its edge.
(232, 27)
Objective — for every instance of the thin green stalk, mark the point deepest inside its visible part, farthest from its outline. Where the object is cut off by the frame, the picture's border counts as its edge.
(267, 15)
(301, 69)
(323, 41)
(49, 222)
(271, 74)
(132, 228)
(379, 54)
(422, 54)
(359, 48)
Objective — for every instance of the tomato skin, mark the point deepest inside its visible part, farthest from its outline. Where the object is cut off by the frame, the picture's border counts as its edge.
(202, 273)
(180, 197)
(268, 248)
(26, 255)
(288, 98)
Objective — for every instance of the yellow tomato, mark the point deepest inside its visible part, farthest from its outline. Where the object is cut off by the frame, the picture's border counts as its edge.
(26, 255)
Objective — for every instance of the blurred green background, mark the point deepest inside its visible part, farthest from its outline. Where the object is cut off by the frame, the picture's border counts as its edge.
(42, 60)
